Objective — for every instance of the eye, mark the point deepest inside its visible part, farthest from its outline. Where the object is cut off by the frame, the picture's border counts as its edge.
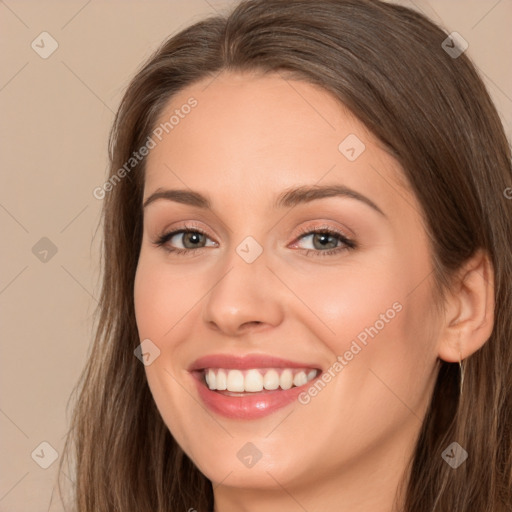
(325, 241)
(190, 238)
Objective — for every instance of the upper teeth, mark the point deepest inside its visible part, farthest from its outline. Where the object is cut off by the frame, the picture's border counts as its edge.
(257, 379)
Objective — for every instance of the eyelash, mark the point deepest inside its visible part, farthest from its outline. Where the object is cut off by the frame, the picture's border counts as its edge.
(348, 243)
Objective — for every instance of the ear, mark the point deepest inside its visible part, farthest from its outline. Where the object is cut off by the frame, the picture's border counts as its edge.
(469, 309)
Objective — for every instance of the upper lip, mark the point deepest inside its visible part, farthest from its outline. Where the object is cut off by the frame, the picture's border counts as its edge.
(246, 362)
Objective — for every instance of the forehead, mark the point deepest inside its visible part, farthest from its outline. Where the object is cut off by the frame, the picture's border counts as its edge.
(253, 130)
(269, 105)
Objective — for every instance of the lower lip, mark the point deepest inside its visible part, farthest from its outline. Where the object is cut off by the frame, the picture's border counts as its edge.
(250, 406)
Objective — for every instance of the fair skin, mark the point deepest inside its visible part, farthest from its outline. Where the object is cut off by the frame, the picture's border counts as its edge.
(248, 140)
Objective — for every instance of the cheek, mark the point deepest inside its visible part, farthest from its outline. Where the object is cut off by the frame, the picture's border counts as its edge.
(352, 299)
(383, 357)
(377, 318)
(162, 295)
(161, 298)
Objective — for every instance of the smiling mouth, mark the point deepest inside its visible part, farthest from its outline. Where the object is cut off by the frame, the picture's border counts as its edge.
(234, 382)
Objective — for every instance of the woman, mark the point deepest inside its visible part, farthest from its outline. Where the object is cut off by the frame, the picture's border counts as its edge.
(306, 301)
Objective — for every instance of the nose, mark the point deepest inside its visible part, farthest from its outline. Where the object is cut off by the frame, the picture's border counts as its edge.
(244, 297)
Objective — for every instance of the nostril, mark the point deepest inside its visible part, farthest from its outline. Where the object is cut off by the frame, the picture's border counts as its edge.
(255, 322)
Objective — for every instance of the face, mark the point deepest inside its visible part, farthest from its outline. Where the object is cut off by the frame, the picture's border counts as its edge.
(293, 252)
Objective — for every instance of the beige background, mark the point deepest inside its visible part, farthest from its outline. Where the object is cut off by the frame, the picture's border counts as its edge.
(56, 114)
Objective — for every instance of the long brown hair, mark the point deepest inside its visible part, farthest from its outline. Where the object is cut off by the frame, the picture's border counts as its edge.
(385, 63)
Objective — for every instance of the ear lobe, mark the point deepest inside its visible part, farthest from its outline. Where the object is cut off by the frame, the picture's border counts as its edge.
(469, 309)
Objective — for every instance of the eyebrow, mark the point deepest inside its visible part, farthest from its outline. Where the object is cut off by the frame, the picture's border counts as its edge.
(289, 198)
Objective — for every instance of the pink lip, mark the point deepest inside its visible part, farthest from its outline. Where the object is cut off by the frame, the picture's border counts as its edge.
(243, 363)
(250, 406)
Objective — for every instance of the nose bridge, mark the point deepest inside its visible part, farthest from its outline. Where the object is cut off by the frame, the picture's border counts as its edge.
(244, 292)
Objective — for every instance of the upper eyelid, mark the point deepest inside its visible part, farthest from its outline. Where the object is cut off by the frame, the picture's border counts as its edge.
(322, 223)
